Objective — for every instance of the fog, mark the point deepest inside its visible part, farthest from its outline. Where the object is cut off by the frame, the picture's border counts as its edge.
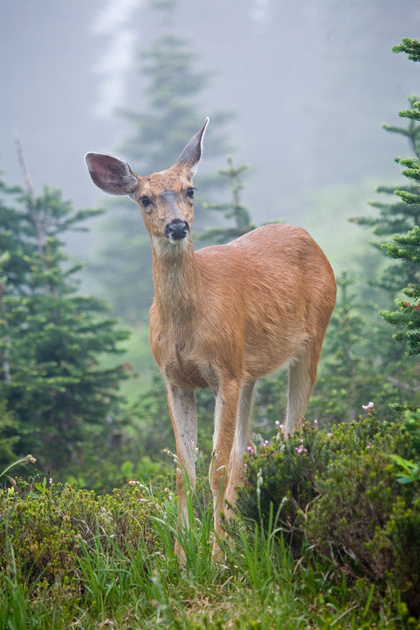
(310, 83)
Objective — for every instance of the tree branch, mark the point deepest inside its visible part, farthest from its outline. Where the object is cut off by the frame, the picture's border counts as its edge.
(6, 351)
(25, 172)
(411, 388)
(35, 219)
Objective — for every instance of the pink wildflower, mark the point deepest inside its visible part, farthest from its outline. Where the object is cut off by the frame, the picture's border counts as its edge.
(370, 405)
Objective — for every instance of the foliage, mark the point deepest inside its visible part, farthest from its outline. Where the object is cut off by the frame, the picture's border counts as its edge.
(8, 433)
(403, 217)
(348, 374)
(407, 248)
(152, 408)
(340, 493)
(404, 276)
(270, 405)
(409, 46)
(410, 471)
(50, 536)
(411, 419)
(359, 363)
(233, 210)
(398, 216)
(69, 558)
(57, 399)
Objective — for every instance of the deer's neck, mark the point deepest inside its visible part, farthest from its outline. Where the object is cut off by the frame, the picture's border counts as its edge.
(176, 282)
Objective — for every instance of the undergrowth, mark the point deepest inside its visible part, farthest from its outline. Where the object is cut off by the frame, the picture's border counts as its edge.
(351, 496)
(72, 559)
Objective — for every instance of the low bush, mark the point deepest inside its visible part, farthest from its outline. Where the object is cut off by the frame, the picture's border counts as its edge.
(44, 529)
(72, 559)
(339, 493)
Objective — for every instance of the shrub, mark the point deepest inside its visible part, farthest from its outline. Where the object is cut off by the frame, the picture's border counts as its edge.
(338, 492)
(44, 530)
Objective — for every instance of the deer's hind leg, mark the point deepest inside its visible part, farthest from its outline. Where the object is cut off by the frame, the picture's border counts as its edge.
(302, 376)
(242, 439)
(226, 411)
(183, 413)
(231, 439)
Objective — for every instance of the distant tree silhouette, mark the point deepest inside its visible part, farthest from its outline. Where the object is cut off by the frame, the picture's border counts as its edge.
(172, 86)
(58, 402)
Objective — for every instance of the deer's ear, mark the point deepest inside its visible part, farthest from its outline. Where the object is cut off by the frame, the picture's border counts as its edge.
(111, 175)
(191, 154)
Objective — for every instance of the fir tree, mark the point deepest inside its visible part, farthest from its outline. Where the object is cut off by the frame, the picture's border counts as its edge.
(352, 372)
(402, 214)
(405, 247)
(231, 210)
(59, 403)
(172, 87)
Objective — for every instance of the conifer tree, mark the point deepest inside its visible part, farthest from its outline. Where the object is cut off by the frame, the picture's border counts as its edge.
(406, 248)
(58, 402)
(353, 371)
(232, 210)
(400, 213)
(172, 86)
(404, 217)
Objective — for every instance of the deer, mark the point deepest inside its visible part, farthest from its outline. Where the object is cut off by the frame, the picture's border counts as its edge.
(222, 317)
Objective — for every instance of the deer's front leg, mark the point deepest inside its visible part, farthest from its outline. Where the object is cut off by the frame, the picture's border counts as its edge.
(184, 421)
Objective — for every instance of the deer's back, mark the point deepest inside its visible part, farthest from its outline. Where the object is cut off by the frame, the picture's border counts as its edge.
(274, 288)
(275, 263)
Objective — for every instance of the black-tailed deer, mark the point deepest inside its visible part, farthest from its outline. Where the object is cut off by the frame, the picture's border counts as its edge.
(224, 315)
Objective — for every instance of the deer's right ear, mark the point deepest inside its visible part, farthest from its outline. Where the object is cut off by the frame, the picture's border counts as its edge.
(110, 174)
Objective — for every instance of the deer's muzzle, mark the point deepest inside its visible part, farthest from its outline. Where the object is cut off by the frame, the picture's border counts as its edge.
(177, 230)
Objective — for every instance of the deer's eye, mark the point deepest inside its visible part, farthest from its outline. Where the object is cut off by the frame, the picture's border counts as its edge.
(145, 201)
(190, 193)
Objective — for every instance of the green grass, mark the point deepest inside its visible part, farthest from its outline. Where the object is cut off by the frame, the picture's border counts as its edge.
(70, 559)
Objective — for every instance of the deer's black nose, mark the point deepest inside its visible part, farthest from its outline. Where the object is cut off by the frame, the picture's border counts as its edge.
(177, 230)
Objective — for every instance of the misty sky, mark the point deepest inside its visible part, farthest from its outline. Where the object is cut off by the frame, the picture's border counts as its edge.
(311, 82)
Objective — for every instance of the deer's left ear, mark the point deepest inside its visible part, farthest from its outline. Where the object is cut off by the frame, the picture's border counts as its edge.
(191, 154)
(111, 175)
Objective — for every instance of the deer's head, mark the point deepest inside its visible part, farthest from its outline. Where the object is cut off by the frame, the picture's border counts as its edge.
(166, 198)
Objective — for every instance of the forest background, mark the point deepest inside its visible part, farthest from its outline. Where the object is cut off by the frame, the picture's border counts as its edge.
(327, 520)
(299, 94)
